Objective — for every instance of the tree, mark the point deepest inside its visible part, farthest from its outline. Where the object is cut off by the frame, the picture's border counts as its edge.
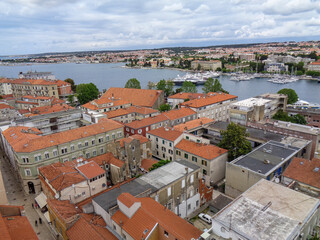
(87, 92)
(292, 95)
(161, 85)
(159, 164)
(133, 83)
(299, 119)
(188, 86)
(166, 86)
(283, 116)
(213, 85)
(73, 86)
(71, 100)
(234, 140)
(164, 107)
(169, 88)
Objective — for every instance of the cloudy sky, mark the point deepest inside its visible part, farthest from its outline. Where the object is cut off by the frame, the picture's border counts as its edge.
(37, 26)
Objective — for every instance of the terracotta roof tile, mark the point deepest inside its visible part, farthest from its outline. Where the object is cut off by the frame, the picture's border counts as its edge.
(315, 63)
(29, 142)
(33, 81)
(206, 151)
(193, 124)
(146, 163)
(304, 171)
(179, 113)
(4, 106)
(129, 139)
(138, 97)
(63, 208)
(50, 109)
(166, 133)
(211, 98)
(108, 158)
(117, 113)
(89, 226)
(127, 199)
(183, 95)
(141, 110)
(90, 169)
(146, 121)
(148, 215)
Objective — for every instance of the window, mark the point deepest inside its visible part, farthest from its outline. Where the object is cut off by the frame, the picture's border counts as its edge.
(93, 141)
(139, 131)
(187, 137)
(101, 150)
(197, 203)
(79, 145)
(189, 206)
(100, 140)
(64, 150)
(186, 156)
(25, 159)
(166, 233)
(72, 147)
(119, 134)
(27, 172)
(194, 159)
(178, 152)
(55, 152)
(114, 227)
(204, 162)
(87, 155)
(156, 139)
(107, 137)
(86, 143)
(204, 172)
(170, 144)
(169, 191)
(83, 193)
(46, 155)
(94, 153)
(132, 131)
(37, 157)
(163, 142)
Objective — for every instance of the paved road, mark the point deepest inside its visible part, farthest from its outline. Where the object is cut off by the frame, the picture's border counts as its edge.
(17, 197)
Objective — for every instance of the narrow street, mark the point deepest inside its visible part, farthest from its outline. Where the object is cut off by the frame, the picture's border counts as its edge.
(17, 197)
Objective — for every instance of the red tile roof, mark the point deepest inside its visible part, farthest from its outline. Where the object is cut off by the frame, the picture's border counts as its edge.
(108, 158)
(193, 124)
(146, 121)
(304, 171)
(141, 110)
(127, 199)
(89, 226)
(61, 175)
(146, 163)
(211, 98)
(5, 106)
(63, 208)
(90, 170)
(179, 113)
(315, 63)
(129, 139)
(138, 97)
(29, 142)
(148, 215)
(117, 113)
(183, 95)
(166, 133)
(33, 81)
(50, 109)
(206, 151)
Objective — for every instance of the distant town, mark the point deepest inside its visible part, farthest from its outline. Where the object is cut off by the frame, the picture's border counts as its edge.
(165, 162)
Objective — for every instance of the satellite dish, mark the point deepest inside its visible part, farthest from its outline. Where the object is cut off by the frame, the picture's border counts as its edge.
(277, 180)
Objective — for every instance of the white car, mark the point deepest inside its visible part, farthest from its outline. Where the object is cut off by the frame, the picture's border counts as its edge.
(205, 217)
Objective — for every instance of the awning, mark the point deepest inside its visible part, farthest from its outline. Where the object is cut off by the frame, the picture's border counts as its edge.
(41, 200)
(46, 215)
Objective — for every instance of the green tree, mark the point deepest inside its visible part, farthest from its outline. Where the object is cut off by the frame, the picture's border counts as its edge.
(213, 85)
(164, 107)
(166, 86)
(292, 95)
(169, 88)
(299, 119)
(159, 164)
(234, 140)
(188, 86)
(283, 116)
(73, 86)
(87, 92)
(133, 83)
(161, 85)
(71, 100)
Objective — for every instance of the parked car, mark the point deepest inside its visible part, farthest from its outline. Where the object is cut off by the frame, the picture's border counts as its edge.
(205, 217)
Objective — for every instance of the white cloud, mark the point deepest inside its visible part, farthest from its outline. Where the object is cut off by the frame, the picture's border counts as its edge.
(30, 26)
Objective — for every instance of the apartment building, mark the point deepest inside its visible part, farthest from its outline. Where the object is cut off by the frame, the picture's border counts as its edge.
(74, 181)
(142, 126)
(34, 87)
(175, 100)
(174, 185)
(52, 119)
(213, 105)
(268, 161)
(257, 108)
(314, 66)
(178, 116)
(102, 105)
(163, 141)
(131, 114)
(267, 211)
(5, 86)
(138, 97)
(27, 149)
(144, 218)
(131, 150)
(206, 65)
(211, 159)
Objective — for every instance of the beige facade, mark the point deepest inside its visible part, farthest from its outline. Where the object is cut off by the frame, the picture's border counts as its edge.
(22, 88)
(206, 65)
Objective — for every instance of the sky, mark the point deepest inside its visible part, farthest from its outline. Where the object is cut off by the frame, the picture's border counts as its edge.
(41, 26)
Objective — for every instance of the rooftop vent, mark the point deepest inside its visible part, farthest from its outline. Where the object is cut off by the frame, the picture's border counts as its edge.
(266, 161)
